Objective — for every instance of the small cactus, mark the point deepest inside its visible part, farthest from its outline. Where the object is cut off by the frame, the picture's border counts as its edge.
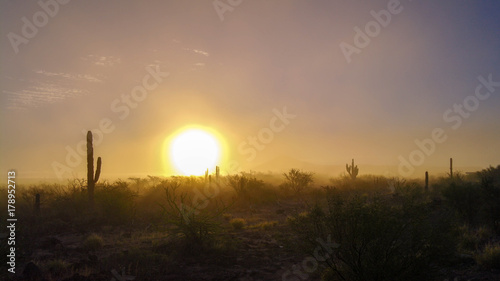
(426, 181)
(352, 170)
(451, 167)
(91, 178)
(217, 173)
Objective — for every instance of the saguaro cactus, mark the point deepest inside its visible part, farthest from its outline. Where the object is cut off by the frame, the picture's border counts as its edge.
(352, 170)
(426, 180)
(451, 167)
(91, 177)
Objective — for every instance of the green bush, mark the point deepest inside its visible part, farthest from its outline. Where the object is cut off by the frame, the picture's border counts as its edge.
(379, 238)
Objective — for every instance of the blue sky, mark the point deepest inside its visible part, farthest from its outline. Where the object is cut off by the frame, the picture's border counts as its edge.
(230, 74)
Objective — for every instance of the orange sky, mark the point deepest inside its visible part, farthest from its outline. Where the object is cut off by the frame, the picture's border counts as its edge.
(232, 70)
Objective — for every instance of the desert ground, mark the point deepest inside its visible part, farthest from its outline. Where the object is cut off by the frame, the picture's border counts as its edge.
(255, 226)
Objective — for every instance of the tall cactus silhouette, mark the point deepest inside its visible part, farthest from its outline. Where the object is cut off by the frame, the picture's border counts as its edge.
(217, 173)
(451, 167)
(426, 181)
(352, 170)
(91, 178)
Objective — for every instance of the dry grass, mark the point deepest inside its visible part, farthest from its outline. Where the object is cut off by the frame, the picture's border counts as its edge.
(490, 257)
(238, 223)
(93, 242)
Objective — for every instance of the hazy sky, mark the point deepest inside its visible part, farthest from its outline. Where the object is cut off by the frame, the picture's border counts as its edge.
(358, 88)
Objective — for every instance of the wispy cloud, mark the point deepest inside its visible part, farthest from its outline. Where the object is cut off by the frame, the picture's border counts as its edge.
(75, 77)
(48, 87)
(199, 52)
(40, 95)
(102, 60)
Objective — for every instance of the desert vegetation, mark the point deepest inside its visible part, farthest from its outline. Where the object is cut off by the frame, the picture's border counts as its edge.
(243, 227)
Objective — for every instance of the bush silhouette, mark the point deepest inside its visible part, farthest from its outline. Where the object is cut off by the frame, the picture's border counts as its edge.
(196, 224)
(490, 187)
(297, 181)
(380, 238)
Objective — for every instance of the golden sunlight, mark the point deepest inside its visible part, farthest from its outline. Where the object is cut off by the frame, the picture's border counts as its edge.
(194, 150)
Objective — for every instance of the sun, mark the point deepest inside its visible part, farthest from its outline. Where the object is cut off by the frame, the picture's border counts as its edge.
(194, 150)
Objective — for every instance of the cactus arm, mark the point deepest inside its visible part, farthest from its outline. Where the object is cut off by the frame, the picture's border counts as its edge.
(98, 170)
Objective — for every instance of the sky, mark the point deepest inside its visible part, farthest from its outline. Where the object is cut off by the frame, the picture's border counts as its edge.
(398, 85)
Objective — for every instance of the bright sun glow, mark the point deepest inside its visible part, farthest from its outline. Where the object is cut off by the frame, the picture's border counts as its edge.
(194, 151)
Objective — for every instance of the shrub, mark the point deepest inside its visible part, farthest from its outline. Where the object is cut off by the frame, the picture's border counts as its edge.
(367, 183)
(141, 261)
(147, 204)
(297, 180)
(93, 242)
(465, 199)
(238, 223)
(473, 239)
(267, 225)
(490, 257)
(379, 238)
(250, 189)
(70, 205)
(194, 221)
(227, 217)
(115, 202)
(57, 268)
(490, 187)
